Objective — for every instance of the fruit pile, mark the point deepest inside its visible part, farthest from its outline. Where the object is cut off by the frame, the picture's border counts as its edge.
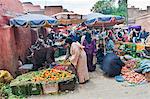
(60, 67)
(133, 77)
(64, 62)
(52, 75)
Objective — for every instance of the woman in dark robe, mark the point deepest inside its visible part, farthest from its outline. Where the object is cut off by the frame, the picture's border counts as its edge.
(90, 49)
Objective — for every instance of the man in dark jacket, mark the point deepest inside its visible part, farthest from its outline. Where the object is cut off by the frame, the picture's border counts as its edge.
(42, 56)
(112, 65)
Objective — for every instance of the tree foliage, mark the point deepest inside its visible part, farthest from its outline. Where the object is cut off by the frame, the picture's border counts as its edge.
(107, 7)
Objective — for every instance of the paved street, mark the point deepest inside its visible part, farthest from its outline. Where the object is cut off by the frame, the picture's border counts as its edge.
(100, 87)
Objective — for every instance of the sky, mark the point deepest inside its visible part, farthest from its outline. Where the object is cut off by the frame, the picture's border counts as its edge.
(142, 4)
(78, 6)
(84, 6)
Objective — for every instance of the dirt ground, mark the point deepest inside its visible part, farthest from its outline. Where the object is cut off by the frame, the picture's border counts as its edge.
(100, 87)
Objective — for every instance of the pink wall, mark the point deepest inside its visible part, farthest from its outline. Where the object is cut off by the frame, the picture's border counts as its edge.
(11, 5)
(7, 50)
(13, 43)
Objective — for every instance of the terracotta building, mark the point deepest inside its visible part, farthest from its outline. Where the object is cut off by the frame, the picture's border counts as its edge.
(29, 7)
(144, 21)
(139, 17)
(51, 10)
(14, 42)
(11, 6)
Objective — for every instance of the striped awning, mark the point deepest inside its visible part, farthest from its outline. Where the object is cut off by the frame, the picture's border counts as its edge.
(33, 20)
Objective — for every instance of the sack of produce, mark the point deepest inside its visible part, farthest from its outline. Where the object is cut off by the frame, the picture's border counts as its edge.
(147, 76)
(67, 85)
(5, 76)
(50, 88)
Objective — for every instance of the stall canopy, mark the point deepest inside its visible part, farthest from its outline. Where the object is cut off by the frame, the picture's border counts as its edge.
(33, 20)
(122, 26)
(68, 18)
(98, 19)
(136, 27)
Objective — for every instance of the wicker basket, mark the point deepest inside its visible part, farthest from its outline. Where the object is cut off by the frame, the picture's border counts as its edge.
(67, 85)
(147, 76)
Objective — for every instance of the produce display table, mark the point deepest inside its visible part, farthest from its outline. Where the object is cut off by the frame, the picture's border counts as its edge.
(131, 48)
(49, 81)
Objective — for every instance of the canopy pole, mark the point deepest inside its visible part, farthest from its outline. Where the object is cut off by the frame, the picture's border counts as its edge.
(104, 40)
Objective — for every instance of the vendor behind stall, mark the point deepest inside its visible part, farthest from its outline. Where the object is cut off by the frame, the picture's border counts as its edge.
(110, 45)
(112, 65)
(42, 56)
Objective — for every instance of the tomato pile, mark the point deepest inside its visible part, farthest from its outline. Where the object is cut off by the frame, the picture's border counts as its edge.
(130, 75)
(60, 67)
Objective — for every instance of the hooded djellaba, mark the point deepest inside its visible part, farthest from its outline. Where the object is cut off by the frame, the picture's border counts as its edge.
(79, 59)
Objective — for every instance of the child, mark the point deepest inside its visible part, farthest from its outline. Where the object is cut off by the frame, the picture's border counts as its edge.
(100, 53)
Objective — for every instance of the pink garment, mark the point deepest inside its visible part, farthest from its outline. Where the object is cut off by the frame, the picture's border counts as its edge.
(79, 60)
(125, 37)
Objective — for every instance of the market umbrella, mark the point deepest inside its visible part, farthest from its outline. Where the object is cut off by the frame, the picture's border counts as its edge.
(98, 19)
(68, 18)
(32, 20)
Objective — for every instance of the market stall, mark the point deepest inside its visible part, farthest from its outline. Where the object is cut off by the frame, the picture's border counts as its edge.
(137, 67)
(68, 18)
(130, 48)
(59, 79)
(136, 71)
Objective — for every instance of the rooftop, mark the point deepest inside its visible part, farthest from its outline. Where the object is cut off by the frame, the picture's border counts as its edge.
(27, 3)
(54, 6)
